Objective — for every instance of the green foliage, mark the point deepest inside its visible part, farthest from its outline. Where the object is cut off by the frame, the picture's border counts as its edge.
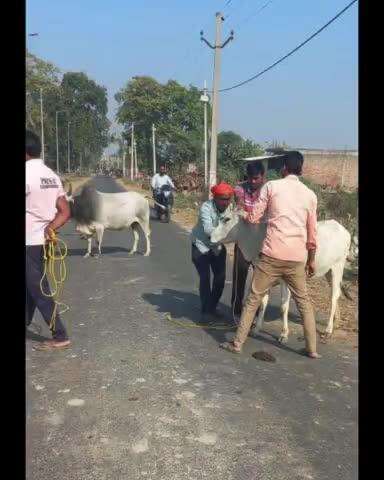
(176, 112)
(231, 151)
(85, 104)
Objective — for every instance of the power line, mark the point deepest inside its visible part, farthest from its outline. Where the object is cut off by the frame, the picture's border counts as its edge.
(292, 51)
(254, 14)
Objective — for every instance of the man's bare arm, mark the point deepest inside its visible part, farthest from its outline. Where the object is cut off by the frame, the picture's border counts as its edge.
(62, 216)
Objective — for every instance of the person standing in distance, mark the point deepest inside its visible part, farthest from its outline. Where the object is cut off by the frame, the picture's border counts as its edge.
(46, 211)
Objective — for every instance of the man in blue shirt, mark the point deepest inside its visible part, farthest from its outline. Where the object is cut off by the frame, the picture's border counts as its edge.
(207, 256)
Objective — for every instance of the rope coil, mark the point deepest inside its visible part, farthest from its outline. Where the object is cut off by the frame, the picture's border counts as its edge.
(55, 252)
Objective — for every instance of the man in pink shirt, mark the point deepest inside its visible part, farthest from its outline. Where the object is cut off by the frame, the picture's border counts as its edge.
(246, 194)
(288, 250)
(46, 210)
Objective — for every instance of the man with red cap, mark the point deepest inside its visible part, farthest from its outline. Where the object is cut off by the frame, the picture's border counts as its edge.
(207, 256)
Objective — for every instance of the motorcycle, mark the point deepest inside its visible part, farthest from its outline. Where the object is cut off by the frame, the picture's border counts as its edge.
(163, 198)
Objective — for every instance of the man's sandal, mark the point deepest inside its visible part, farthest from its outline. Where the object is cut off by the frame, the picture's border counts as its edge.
(52, 345)
(230, 347)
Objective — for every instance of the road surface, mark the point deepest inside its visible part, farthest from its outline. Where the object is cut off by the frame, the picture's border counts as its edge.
(138, 397)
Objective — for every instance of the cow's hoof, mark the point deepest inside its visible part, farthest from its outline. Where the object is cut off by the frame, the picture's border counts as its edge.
(283, 339)
(146, 254)
(325, 337)
(87, 255)
(96, 255)
(131, 252)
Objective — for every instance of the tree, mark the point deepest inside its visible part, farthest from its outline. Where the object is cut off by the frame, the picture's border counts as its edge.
(42, 75)
(175, 110)
(232, 149)
(85, 103)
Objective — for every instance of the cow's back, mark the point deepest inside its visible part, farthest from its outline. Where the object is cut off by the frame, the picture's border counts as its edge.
(333, 244)
(122, 208)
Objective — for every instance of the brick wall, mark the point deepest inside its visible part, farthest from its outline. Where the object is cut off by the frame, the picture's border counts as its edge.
(332, 168)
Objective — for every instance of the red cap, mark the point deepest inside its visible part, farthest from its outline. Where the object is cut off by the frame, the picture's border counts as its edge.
(222, 189)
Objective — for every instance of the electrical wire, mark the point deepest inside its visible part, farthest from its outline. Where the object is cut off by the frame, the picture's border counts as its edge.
(291, 52)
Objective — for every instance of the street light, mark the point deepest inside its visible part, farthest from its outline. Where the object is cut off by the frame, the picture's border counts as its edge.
(57, 140)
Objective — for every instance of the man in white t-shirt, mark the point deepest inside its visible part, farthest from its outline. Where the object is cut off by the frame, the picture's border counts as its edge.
(160, 179)
(46, 210)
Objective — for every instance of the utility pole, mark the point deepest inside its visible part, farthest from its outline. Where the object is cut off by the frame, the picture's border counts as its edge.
(57, 141)
(205, 99)
(135, 169)
(215, 98)
(42, 125)
(154, 148)
(81, 163)
(57, 147)
(132, 148)
(68, 149)
(124, 157)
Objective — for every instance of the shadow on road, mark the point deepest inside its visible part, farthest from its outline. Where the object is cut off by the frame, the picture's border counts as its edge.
(34, 336)
(80, 252)
(186, 305)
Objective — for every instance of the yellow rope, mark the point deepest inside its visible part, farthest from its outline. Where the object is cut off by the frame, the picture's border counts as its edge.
(55, 252)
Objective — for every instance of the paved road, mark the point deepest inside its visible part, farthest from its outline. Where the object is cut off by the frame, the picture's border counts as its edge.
(159, 401)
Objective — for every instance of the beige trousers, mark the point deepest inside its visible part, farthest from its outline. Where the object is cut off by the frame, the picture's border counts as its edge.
(266, 272)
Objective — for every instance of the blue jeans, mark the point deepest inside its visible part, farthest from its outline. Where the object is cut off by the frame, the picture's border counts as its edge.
(35, 298)
(204, 263)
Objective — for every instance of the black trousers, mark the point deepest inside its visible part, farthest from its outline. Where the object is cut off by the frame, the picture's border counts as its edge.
(239, 277)
(35, 299)
(204, 263)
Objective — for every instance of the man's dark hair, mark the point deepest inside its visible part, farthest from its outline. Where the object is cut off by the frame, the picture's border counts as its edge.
(293, 162)
(255, 168)
(32, 144)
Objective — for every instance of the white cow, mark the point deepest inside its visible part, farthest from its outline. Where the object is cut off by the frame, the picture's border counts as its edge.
(95, 212)
(334, 243)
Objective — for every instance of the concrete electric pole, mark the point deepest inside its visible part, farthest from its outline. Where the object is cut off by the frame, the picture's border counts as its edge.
(132, 148)
(205, 99)
(135, 166)
(215, 98)
(154, 148)
(42, 125)
(68, 149)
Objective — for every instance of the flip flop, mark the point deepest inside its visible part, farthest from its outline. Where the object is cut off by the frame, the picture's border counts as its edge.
(313, 356)
(51, 345)
(229, 347)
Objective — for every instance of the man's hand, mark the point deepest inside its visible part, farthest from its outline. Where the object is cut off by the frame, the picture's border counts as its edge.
(242, 214)
(49, 233)
(310, 265)
(310, 268)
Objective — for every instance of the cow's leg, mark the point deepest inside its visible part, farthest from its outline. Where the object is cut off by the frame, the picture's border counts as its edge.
(99, 238)
(285, 299)
(89, 248)
(260, 316)
(336, 278)
(135, 238)
(144, 224)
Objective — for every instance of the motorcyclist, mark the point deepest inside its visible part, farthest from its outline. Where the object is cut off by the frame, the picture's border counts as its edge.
(159, 180)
